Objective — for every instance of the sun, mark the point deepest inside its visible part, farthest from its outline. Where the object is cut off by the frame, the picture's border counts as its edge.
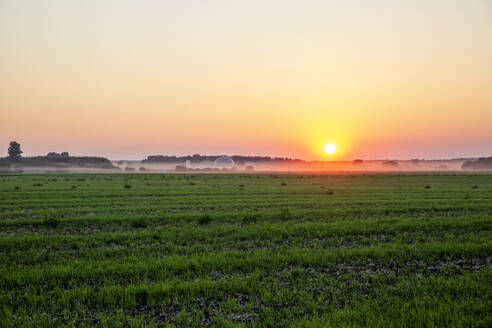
(330, 148)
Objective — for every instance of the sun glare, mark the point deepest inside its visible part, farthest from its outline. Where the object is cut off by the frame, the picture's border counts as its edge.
(330, 148)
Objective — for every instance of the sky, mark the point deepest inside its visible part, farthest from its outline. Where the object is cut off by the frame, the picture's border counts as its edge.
(126, 79)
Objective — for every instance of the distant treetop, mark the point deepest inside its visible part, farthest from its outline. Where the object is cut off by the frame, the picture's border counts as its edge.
(14, 151)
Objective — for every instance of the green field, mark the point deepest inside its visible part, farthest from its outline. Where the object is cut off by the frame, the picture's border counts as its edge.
(246, 250)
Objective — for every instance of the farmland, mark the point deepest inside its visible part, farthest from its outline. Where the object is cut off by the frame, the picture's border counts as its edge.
(261, 250)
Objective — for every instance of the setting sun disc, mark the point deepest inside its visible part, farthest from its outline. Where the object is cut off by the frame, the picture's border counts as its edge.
(330, 148)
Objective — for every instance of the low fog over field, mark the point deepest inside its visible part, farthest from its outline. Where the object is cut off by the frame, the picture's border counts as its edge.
(64, 162)
(291, 165)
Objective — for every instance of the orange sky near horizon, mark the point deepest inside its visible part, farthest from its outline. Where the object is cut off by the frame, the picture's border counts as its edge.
(127, 79)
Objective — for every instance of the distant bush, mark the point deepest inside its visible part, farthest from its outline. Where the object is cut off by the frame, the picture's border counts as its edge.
(142, 168)
(250, 168)
(390, 164)
(330, 192)
(127, 186)
(181, 168)
(37, 184)
(427, 187)
(241, 185)
(206, 219)
(51, 155)
(62, 165)
(50, 222)
(475, 187)
(283, 184)
(129, 169)
(16, 188)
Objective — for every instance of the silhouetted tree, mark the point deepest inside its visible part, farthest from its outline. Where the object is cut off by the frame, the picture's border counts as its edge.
(14, 151)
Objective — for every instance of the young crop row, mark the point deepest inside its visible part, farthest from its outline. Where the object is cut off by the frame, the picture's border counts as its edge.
(223, 250)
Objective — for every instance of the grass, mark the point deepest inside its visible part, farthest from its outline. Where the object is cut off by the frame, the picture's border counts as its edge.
(139, 223)
(249, 219)
(205, 219)
(225, 250)
(285, 215)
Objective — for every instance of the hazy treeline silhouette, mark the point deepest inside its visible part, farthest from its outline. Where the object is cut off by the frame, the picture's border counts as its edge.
(52, 159)
(484, 163)
(82, 161)
(197, 158)
(16, 162)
